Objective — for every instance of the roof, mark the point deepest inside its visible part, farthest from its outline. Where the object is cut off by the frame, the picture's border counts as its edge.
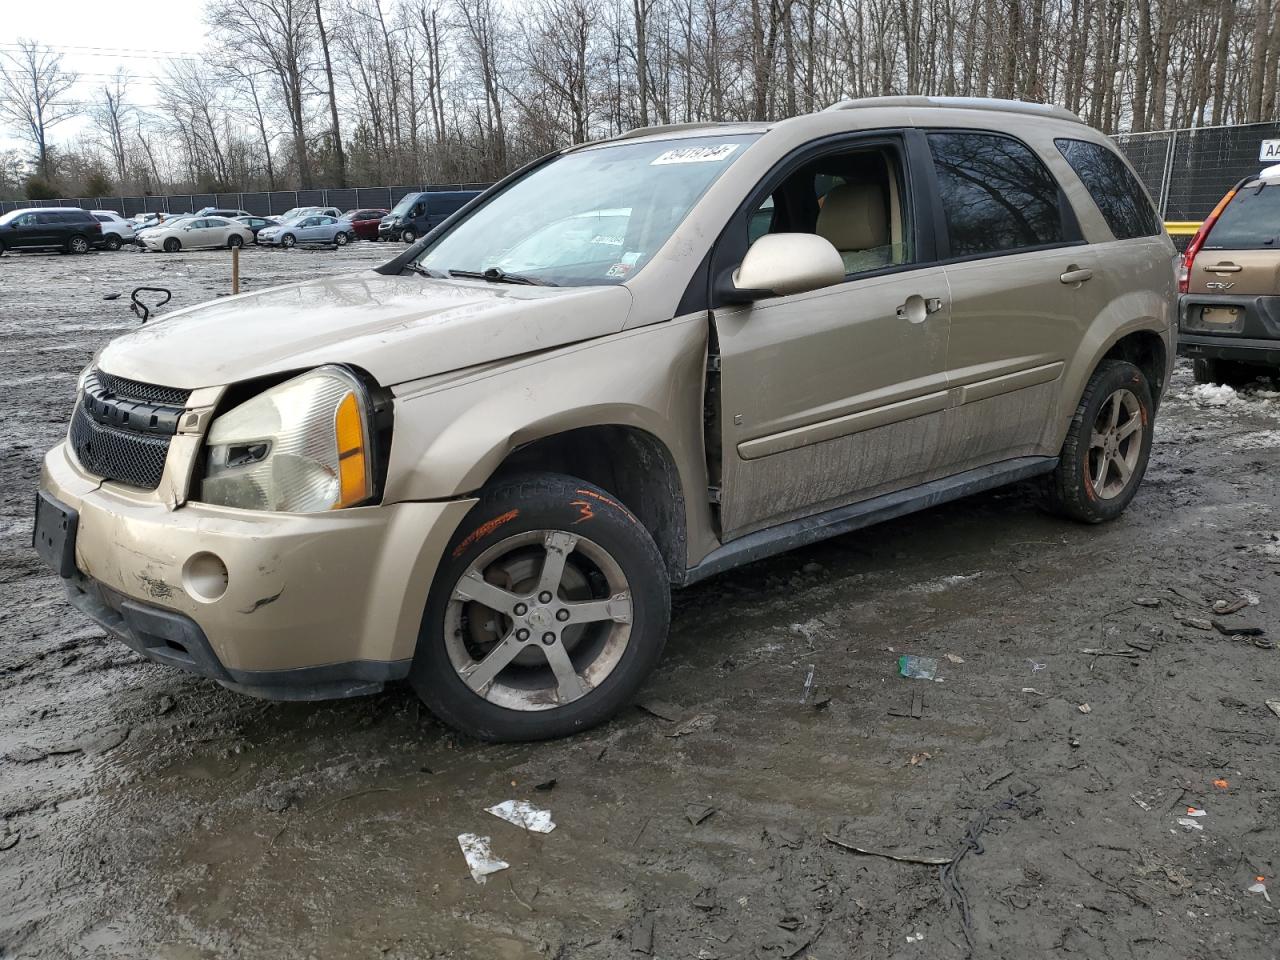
(961, 103)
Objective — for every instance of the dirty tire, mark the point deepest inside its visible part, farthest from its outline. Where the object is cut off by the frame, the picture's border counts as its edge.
(172, 245)
(532, 505)
(78, 244)
(235, 240)
(1226, 372)
(288, 240)
(113, 242)
(408, 235)
(1071, 487)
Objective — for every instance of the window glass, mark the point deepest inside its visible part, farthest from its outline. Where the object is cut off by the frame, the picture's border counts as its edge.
(101, 218)
(216, 222)
(996, 194)
(610, 208)
(1251, 221)
(1114, 188)
(852, 199)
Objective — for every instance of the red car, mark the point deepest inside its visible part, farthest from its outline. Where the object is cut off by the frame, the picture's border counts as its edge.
(365, 222)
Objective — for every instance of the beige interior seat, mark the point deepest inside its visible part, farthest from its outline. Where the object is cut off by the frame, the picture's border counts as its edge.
(853, 219)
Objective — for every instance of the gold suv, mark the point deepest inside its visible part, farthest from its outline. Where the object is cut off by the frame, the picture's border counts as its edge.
(1229, 312)
(628, 366)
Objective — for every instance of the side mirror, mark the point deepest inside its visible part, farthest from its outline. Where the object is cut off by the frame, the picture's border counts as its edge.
(779, 264)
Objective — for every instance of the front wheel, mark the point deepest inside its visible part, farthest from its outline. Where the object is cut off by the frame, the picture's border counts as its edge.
(550, 609)
(1108, 444)
(288, 240)
(172, 245)
(408, 235)
(340, 240)
(234, 241)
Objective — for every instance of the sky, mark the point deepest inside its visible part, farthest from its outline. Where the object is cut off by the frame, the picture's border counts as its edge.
(96, 36)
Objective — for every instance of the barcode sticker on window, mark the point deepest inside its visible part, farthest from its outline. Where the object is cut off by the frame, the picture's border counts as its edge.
(695, 155)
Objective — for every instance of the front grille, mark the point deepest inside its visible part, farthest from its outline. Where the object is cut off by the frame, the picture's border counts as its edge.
(149, 393)
(121, 428)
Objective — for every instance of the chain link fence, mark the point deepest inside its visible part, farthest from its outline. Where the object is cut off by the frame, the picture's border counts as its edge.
(263, 204)
(1186, 172)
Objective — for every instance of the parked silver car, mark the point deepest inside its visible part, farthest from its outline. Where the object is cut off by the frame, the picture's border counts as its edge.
(116, 231)
(311, 228)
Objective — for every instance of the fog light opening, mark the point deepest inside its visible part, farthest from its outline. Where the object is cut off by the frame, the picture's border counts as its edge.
(205, 577)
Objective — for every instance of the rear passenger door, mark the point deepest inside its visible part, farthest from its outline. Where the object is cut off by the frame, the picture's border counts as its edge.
(1022, 293)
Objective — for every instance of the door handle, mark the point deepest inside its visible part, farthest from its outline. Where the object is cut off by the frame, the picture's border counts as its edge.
(1224, 268)
(916, 309)
(1076, 274)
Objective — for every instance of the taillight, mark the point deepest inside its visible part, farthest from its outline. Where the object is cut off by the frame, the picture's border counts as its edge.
(1197, 241)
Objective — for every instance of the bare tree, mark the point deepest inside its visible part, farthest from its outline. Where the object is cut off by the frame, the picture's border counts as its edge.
(32, 79)
(110, 114)
(283, 33)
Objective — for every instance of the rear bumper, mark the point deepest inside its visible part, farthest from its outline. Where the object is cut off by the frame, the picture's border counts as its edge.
(1208, 347)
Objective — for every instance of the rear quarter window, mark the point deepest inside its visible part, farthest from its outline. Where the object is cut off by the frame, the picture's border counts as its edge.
(997, 195)
(1251, 221)
(1116, 191)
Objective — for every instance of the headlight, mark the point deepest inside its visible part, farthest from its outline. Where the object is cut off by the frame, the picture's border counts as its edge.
(300, 447)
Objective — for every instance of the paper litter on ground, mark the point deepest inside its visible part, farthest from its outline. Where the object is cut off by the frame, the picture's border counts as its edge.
(523, 814)
(479, 857)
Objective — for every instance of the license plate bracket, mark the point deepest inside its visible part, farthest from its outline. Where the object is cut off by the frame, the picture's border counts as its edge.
(54, 536)
(1219, 316)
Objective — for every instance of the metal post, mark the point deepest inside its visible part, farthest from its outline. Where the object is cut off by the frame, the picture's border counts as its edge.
(1167, 177)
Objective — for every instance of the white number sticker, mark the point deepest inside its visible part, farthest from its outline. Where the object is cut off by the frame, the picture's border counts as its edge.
(695, 155)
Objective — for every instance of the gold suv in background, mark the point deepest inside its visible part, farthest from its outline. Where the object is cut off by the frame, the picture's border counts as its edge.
(1229, 314)
(628, 366)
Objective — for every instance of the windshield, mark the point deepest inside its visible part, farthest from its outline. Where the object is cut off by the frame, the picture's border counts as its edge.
(403, 206)
(596, 216)
(1251, 221)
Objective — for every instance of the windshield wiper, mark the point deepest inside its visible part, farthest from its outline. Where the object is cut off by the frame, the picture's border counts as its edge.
(498, 275)
(426, 271)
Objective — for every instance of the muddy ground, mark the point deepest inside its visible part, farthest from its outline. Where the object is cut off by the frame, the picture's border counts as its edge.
(147, 814)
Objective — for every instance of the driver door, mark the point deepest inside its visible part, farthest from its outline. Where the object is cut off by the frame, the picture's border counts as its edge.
(835, 395)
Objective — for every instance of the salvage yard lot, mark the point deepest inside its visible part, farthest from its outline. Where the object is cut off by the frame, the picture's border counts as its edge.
(147, 813)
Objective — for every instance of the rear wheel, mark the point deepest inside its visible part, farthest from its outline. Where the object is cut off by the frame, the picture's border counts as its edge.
(288, 240)
(235, 240)
(113, 242)
(408, 235)
(549, 611)
(172, 245)
(1108, 444)
(1229, 372)
(78, 244)
(341, 240)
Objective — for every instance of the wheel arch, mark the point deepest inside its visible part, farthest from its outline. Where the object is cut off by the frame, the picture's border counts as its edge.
(631, 463)
(1147, 351)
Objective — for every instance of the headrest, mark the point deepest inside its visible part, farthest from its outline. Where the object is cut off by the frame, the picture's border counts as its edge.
(853, 217)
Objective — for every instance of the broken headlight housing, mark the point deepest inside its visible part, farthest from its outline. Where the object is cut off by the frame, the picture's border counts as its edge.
(302, 446)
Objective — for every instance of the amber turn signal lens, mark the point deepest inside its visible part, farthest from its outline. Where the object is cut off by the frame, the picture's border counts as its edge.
(353, 462)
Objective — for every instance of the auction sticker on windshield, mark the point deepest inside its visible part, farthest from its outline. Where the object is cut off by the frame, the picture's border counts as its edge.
(695, 154)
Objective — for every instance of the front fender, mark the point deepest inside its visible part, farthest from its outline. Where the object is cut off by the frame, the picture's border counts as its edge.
(453, 432)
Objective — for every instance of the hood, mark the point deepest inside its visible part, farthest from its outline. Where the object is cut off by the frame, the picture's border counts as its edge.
(397, 328)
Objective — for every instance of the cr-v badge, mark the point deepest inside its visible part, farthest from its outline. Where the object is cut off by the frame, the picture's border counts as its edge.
(1220, 285)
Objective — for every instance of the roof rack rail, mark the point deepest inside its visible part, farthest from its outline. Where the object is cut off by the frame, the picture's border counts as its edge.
(961, 103)
(661, 128)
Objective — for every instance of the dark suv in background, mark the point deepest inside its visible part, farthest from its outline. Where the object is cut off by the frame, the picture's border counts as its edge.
(68, 229)
(416, 213)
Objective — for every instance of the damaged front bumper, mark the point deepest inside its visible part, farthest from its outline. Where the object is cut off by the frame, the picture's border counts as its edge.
(297, 606)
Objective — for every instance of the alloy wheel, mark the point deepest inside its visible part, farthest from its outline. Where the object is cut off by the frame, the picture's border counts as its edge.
(538, 620)
(79, 245)
(1115, 444)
